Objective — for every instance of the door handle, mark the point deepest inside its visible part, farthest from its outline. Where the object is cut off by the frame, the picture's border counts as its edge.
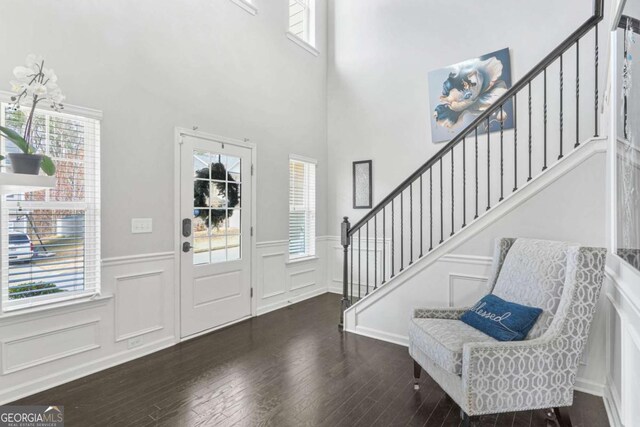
(186, 247)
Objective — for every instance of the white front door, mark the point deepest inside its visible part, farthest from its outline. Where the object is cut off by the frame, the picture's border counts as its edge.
(215, 237)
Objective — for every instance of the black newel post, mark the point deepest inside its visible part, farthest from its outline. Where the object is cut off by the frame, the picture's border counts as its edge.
(344, 240)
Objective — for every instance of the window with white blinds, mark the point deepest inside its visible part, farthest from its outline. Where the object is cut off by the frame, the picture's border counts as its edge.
(301, 20)
(50, 239)
(302, 208)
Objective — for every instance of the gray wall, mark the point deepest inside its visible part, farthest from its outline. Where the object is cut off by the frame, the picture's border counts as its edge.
(153, 65)
(380, 54)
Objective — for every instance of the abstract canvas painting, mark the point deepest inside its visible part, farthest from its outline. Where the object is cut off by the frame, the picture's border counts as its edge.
(460, 92)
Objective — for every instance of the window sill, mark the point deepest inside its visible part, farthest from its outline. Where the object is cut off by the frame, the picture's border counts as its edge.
(55, 306)
(246, 6)
(303, 44)
(302, 259)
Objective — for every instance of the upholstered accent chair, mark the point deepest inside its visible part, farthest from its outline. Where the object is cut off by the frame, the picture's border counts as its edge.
(485, 376)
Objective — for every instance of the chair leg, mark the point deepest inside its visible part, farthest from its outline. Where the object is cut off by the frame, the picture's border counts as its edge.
(417, 370)
(467, 421)
(562, 416)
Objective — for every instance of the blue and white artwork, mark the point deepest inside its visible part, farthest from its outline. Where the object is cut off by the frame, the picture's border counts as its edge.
(460, 92)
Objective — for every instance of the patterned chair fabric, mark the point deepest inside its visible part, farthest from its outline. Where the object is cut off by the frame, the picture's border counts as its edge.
(442, 339)
(532, 374)
(533, 274)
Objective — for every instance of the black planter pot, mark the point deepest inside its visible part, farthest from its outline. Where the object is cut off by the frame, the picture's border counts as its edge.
(25, 163)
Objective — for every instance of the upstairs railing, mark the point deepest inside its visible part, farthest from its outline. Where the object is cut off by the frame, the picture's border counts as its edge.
(400, 230)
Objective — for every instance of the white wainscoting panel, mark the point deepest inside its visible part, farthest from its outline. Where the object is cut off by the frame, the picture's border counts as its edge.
(302, 279)
(132, 318)
(440, 283)
(466, 289)
(375, 270)
(47, 346)
(622, 344)
(271, 274)
(282, 282)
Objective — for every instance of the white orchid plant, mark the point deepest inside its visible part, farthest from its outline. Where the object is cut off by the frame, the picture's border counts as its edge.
(35, 84)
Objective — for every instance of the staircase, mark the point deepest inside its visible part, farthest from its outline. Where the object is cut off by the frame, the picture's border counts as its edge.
(482, 169)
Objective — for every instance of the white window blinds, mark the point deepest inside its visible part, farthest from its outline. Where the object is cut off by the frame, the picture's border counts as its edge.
(302, 208)
(301, 20)
(50, 239)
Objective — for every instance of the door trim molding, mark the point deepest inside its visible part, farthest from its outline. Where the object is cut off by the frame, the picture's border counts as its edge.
(244, 143)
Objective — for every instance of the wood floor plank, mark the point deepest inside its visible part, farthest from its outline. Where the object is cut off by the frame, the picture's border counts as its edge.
(291, 367)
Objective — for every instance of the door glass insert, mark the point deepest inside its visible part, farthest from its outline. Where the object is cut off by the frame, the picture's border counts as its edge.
(217, 229)
(628, 141)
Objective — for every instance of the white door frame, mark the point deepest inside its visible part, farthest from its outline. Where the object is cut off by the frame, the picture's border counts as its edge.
(177, 245)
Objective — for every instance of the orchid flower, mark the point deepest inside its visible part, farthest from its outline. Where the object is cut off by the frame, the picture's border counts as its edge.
(36, 84)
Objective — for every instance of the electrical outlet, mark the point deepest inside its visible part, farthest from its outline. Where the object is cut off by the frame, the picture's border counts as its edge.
(134, 342)
(141, 225)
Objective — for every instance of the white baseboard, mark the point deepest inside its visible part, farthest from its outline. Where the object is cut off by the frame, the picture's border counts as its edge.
(280, 304)
(590, 387)
(335, 290)
(23, 390)
(612, 404)
(383, 336)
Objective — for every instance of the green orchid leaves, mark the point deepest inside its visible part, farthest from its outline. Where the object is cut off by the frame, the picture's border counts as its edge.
(47, 165)
(16, 138)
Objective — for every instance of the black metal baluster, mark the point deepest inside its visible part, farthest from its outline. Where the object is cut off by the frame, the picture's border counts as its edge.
(441, 206)
(515, 142)
(476, 132)
(384, 245)
(464, 181)
(375, 252)
(411, 223)
(393, 246)
(530, 140)
(501, 154)
(359, 264)
(452, 193)
(366, 254)
(544, 166)
(488, 164)
(561, 106)
(430, 208)
(577, 144)
(595, 121)
(402, 230)
(421, 245)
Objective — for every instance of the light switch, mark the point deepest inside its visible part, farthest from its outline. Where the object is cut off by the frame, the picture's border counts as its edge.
(141, 225)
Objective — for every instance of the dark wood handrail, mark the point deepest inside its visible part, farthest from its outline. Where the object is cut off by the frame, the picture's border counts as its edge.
(519, 85)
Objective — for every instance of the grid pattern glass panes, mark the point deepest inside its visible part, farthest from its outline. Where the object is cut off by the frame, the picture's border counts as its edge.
(299, 19)
(302, 209)
(216, 223)
(50, 239)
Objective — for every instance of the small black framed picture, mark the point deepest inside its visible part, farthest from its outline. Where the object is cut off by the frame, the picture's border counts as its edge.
(362, 184)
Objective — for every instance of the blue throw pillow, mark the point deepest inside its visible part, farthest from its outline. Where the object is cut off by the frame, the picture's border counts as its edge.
(500, 319)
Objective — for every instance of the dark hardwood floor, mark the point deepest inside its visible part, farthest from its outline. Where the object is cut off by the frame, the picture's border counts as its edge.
(291, 367)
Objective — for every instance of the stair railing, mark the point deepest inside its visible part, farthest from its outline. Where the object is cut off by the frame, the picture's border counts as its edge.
(466, 147)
